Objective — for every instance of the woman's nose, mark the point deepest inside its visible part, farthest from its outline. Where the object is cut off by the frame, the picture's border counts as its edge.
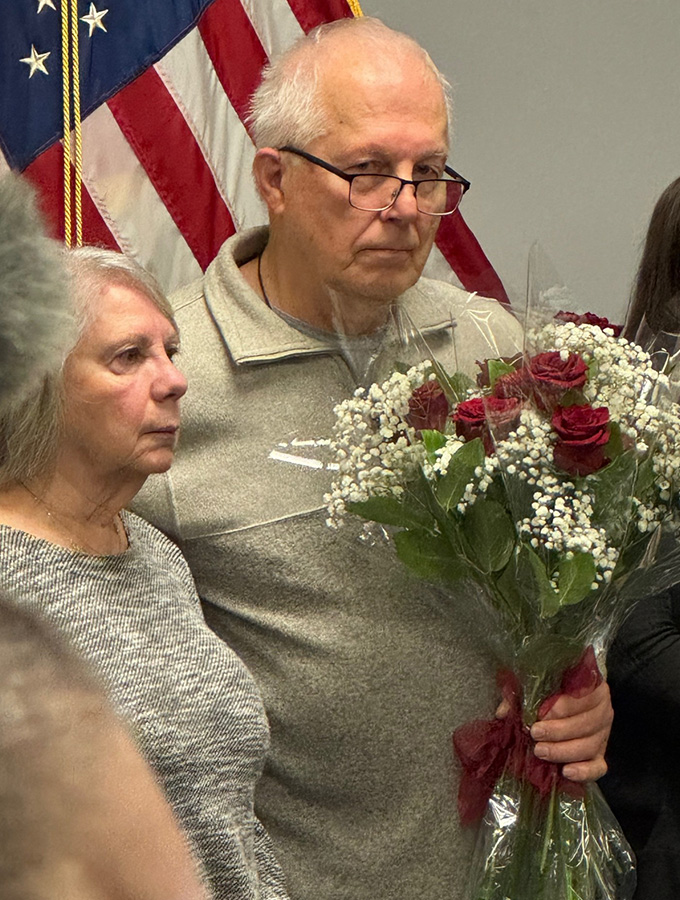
(171, 382)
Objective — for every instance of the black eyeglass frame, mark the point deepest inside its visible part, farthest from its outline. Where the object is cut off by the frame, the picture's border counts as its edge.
(453, 175)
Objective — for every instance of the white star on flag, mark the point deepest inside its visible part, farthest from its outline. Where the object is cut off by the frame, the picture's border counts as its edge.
(43, 3)
(36, 61)
(94, 19)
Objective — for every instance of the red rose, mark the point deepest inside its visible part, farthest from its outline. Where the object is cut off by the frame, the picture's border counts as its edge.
(582, 433)
(552, 376)
(514, 384)
(484, 417)
(428, 407)
(589, 319)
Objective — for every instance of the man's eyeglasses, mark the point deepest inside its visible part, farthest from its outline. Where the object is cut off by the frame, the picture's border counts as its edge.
(375, 193)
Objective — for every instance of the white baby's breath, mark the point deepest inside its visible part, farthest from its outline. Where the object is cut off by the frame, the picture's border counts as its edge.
(378, 452)
(375, 447)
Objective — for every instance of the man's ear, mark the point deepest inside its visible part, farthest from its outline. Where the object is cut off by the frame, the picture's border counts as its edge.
(268, 172)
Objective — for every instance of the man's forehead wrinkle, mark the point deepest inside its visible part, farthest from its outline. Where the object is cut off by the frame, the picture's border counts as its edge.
(354, 103)
(376, 151)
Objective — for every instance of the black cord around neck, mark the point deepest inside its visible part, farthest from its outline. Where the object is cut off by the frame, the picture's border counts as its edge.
(259, 278)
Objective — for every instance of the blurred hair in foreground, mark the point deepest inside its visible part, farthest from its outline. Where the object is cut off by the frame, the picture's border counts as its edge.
(35, 322)
(80, 813)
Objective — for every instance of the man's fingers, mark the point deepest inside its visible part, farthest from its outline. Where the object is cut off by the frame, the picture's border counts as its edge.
(586, 771)
(566, 706)
(575, 733)
(573, 718)
(583, 749)
(584, 725)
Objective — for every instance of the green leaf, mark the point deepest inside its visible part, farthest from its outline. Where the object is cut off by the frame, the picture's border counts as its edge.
(518, 495)
(514, 598)
(544, 658)
(455, 386)
(430, 556)
(402, 512)
(614, 446)
(526, 588)
(535, 574)
(572, 398)
(632, 554)
(450, 488)
(433, 441)
(459, 384)
(497, 368)
(646, 477)
(575, 577)
(489, 535)
(612, 490)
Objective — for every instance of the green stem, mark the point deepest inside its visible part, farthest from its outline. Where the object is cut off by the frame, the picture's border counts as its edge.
(548, 828)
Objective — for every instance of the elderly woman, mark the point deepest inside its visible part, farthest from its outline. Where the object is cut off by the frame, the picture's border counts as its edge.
(72, 456)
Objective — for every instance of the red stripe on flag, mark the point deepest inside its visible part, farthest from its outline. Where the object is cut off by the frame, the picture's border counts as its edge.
(467, 259)
(165, 146)
(46, 173)
(235, 51)
(310, 15)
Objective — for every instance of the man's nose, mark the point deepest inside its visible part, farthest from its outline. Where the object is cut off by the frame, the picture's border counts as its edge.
(405, 205)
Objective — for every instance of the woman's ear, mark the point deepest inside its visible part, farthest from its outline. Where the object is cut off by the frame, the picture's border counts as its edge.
(268, 173)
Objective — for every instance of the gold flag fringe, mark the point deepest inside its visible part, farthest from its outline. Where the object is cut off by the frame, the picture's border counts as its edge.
(70, 86)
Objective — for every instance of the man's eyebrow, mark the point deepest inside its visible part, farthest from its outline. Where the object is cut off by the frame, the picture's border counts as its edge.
(381, 152)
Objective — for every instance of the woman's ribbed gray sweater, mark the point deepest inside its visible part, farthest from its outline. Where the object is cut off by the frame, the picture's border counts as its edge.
(192, 705)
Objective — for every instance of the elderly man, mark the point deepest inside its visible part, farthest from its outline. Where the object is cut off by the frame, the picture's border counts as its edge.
(365, 670)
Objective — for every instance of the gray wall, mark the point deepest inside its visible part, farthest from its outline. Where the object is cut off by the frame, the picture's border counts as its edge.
(567, 124)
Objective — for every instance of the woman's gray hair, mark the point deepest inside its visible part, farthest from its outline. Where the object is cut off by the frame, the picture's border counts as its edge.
(91, 269)
(285, 109)
(30, 428)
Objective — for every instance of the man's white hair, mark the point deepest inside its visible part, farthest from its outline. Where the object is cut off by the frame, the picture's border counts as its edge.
(286, 109)
(36, 326)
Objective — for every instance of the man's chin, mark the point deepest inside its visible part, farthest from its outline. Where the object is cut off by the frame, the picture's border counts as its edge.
(388, 273)
(390, 286)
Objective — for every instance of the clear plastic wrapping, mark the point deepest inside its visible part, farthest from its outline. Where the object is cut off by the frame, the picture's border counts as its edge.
(546, 489)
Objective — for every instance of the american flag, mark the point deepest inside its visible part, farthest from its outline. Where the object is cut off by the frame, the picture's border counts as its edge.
(165, 86)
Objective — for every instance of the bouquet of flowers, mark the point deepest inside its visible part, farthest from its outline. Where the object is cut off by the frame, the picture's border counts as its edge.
(548, 484)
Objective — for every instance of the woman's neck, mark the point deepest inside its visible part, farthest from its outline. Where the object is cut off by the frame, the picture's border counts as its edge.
(71, 514)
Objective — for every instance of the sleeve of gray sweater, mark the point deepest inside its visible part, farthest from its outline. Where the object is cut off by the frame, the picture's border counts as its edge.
(190, 702)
